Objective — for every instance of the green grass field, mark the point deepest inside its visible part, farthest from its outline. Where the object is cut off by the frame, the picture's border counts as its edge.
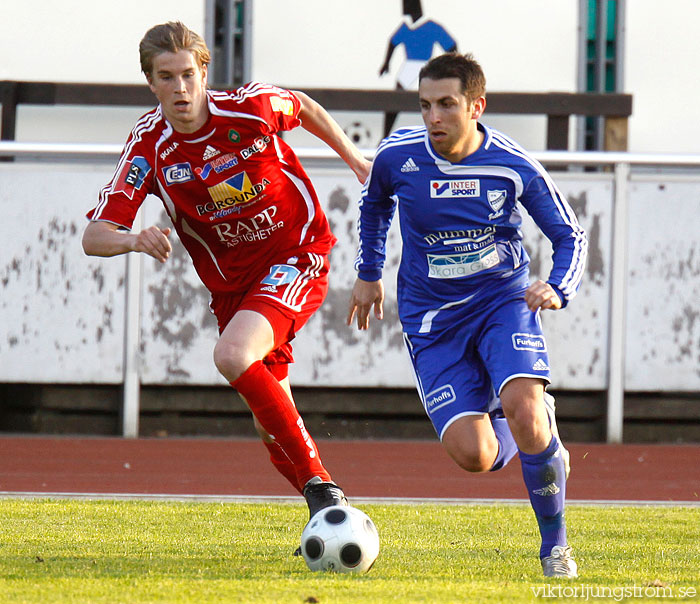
(135, 551)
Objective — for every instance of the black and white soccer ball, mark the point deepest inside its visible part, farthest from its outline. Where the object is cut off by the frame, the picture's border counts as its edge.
(340, 539)
(359, 134)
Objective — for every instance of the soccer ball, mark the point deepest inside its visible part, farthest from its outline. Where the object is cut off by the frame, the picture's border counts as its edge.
(340, 539)
(359, 134)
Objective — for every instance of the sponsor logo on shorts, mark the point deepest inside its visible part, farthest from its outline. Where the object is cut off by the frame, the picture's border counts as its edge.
(455, 188)
(440, 397)
(540, 365)
(177, 173)
(528, 341)
(281, 274)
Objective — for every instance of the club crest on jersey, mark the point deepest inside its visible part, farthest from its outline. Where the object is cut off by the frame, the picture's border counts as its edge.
(496, 199)
(454, 188)
(235, 191)
(132, 176)
(177, 173)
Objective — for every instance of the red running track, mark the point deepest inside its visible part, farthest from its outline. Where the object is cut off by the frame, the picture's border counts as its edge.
(365, 469)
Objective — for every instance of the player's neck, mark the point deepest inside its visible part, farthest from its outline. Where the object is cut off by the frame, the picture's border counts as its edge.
(469, 146)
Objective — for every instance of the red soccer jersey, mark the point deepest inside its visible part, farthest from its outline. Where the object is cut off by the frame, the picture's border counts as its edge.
(236, 193)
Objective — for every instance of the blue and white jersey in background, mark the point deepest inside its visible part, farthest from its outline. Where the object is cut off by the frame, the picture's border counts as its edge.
(460, 226)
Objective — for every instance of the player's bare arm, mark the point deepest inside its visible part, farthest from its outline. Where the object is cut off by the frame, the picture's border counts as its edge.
(105, 239)
(541, 295)
(366, 294)
(316, 120)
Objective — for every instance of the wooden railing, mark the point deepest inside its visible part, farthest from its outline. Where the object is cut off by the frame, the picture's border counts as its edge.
(557, 106)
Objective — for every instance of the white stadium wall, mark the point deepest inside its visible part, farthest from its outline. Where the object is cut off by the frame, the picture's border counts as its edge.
(662, 55)
(335, 43)
(341, 44)
(83, 40)
(63, 313)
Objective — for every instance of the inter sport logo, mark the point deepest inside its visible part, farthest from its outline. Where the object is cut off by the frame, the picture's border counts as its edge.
(454, 188)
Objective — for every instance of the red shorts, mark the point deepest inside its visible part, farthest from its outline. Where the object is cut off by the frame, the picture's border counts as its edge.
(286, 295)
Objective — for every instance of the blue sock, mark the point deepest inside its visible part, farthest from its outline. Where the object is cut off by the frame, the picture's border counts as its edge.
(545, 479)
(506, 444)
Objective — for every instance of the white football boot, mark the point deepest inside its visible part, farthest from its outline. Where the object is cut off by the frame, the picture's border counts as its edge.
(560, 563)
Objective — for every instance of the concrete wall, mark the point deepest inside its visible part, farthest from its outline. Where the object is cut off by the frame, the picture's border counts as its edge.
(62, 313)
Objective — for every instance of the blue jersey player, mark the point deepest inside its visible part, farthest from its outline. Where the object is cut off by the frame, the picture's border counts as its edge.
(470, 316)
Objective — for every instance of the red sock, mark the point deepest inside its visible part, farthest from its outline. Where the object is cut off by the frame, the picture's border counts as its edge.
(282, 463)
(277, 414)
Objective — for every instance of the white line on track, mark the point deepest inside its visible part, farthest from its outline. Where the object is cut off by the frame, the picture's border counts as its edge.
(354, 500)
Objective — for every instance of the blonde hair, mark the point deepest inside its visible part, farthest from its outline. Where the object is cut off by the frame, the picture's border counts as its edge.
(171, 37)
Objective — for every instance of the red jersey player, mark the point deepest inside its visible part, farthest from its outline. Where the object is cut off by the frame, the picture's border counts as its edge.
(247, 214)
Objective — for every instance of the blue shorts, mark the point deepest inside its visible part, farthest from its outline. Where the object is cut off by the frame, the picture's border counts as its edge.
(460, 371)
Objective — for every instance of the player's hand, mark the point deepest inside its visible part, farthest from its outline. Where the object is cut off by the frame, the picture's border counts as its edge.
(154, 242)
(362, 170)
(366, 294)
(541, 295)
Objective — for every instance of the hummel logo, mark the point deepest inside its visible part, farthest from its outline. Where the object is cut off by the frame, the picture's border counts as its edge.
(550, 489)
(540, 365)
(410, 166)
(210, 152)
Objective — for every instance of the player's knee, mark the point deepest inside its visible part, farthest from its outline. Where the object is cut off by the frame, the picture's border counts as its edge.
(522, 418)
(473, 460)
(476, 464)
(231, 360)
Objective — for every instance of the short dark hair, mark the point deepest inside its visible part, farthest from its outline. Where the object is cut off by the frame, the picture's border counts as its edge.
(172, 36)
(454, 65)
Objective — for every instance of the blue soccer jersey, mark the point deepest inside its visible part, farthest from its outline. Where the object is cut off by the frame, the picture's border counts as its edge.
(461, 226)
